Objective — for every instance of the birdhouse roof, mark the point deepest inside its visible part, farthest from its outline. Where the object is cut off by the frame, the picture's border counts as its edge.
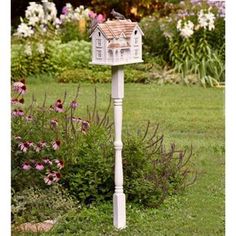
(114, 28)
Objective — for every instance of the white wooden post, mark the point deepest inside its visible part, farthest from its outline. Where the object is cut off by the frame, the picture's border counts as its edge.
(119, 208)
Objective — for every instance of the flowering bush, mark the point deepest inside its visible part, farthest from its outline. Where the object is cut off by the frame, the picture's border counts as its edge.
(41, 138)
(189, 34)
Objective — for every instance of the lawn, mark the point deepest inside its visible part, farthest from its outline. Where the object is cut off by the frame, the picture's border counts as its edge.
(187, 116)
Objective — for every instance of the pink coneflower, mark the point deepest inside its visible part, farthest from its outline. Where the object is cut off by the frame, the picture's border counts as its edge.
(17, 138)
(85, 126)
(26, 166)
(58, 107)
(20, 112)
(54, 123)
(60, 164)
(24, 146)
(14, 113)
(47, 161)
(14, 101)
(29, 118)
(56, 144)
(73, 104)
(49, 179)
(57, 176)
(19, 87)
(39, 166)
(40, 146)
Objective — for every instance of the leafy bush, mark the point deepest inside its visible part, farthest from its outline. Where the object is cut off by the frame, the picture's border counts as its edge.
(154, 40)
(101, 76)
(53, 144)
(81, 75)
(37, 205)
(54, 57)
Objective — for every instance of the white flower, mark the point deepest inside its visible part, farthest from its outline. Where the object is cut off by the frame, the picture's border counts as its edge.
(33, 20)
(40, 48)
(187, 30)
(33, 10)
(179, 25)
(206, 20)
(24, 30)
(28, 50)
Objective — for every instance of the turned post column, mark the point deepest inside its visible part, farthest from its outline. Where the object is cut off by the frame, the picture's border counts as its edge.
(119, 209)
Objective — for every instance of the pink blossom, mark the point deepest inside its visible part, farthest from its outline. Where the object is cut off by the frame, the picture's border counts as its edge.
(19, 87)
(17, 138)
(29, 118)
(85, 126)
(14, 101)
(100, 18)
(56, 144)
(60, 164)
(39, 166)
(47, 161)
(73, 104)
(49, 179)
(24, 146)
(92, 15)
(14, 113)
(65, 11)
(57, 176)
(54, 123)
(26, 166)
(20, 112)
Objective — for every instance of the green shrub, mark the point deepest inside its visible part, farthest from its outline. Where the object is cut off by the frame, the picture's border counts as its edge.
(81, 75)
(154, 40)
(56, 57)
(37, 205)
(95, 76)
(85, 147)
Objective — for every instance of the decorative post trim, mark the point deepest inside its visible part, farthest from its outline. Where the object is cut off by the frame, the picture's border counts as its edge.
(119, 209)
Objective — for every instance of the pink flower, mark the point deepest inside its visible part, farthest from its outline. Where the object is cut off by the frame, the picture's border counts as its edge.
(14, 101)
(100, 18)
(73, 104)
(20, 112)
(24, 146)
(26, 166)
(54, 123)
(57, 176)
(60, 164)
(28, 118)
(85, 126)
(56, 144)
(19, 87)
(14, 113)
(17, 138)
(92, 15)
(49, 179)
(47, 161)
(39, 166)
(65, 11)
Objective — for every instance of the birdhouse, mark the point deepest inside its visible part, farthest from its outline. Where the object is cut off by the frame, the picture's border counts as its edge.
(116, 42)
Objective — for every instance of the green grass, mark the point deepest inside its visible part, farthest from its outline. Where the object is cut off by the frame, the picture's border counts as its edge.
(187, 116)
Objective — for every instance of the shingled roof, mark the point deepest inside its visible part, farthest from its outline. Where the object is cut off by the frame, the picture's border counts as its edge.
(114, 28)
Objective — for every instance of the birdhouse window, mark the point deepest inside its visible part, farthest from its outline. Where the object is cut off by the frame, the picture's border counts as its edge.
(135, 32)
(99, 34)
(99, 54)
(136, 52)
(98, 42)
(136, 41)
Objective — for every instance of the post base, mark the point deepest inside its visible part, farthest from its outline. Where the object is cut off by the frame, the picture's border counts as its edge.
(119, 211)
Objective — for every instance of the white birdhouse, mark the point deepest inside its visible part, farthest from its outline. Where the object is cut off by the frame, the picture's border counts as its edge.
(116, 42)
